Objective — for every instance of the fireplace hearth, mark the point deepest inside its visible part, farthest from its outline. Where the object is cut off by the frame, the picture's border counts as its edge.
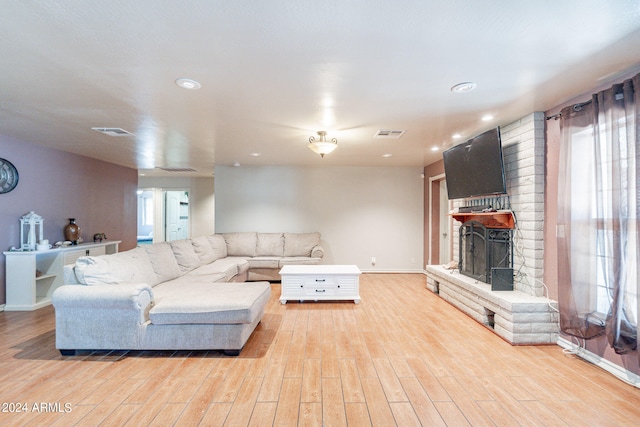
(483, 249)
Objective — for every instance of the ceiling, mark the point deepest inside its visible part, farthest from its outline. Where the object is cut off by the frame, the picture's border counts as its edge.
(275, 72)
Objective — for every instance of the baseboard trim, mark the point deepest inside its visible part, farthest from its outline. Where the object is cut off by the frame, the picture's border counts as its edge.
(616, 370)
(416, 271)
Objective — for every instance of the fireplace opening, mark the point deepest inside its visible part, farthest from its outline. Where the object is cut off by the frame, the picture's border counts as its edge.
(483, 248)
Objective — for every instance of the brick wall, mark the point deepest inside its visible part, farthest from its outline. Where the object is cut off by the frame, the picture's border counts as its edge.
(523, 145)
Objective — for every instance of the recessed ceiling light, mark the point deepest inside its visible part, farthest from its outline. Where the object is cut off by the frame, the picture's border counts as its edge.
(435, 148)
(487, 117)
(386, 156)
(456, 136)
(255, 154)
(188, 84)
(464, 87)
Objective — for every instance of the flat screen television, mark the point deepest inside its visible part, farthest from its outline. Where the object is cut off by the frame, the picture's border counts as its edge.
(475, 167)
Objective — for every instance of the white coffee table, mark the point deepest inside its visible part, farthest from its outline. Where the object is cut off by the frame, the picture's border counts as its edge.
(320, 282)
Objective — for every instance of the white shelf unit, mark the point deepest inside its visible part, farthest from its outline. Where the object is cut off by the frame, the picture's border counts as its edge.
(32, 276)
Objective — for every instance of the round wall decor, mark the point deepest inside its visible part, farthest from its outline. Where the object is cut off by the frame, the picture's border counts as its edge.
(8, 176)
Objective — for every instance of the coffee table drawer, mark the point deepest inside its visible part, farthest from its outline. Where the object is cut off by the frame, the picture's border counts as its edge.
(319, 291)
(320, 281)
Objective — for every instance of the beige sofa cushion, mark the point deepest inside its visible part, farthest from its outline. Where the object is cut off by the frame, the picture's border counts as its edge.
(204, 250)
(300, 244)
(264, 262)
(163, 261)
(219, 245)
(185, 255)
(214, 303)
(241, 244)
(131, 266)
(270, 244)
(298, 260)
(228, 267)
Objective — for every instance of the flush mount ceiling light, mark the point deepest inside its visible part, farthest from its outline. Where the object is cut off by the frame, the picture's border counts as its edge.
(188, 84)
(113, 131)
(464, 87)
(176, 169)
(321, 145)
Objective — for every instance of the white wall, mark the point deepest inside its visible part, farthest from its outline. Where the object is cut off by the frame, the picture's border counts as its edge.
(361, 212)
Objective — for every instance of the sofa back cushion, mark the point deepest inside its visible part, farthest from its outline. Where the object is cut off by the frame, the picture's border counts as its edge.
(300, 244)
(132, 266)
(270, 244)
(185, 255)
(204, 250)
(163, 261)
(241, 244)
(219, 245)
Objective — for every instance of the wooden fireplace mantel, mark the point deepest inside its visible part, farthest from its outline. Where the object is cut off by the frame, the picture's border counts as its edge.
(498, 219)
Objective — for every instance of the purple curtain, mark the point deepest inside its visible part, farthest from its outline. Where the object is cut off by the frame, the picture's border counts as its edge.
(598, 225)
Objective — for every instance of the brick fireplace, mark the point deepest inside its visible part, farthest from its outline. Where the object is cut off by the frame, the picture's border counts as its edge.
(525, 315)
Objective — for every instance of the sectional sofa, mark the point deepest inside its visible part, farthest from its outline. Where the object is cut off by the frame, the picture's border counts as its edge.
(180, 295)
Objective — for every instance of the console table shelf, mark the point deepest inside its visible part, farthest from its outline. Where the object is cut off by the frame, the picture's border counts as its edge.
(498, 219)
(32, 276)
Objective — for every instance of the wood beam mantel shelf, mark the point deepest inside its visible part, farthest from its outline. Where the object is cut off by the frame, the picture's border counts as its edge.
(497, 219)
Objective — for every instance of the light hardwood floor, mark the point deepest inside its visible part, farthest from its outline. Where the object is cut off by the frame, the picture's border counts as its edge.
(401, 357)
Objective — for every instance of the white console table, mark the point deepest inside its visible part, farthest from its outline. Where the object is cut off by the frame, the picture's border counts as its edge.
(320, 282)
(32, 276)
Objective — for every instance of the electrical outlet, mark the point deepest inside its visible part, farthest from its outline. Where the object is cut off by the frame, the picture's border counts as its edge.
(373, 260)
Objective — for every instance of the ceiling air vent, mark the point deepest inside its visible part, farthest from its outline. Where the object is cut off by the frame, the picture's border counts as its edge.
(113, 131)
(167, 169)
(388, 134)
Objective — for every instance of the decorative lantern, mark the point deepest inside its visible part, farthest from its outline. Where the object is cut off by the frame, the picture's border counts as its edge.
(31, 231)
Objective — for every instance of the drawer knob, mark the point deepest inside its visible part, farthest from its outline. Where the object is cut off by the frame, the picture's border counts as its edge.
(321, 290)
(320, 280)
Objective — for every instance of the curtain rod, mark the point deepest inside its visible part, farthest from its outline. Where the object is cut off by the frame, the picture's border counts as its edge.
(576, 107)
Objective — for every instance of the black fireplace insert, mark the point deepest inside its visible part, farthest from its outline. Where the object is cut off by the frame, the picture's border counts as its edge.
(483, 248)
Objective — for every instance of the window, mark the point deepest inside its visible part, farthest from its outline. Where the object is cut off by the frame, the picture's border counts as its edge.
(598, 204)
(593, 196)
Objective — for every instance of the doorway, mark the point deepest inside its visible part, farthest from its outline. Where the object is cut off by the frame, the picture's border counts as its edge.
(444, 230)
(176, 208)
(440, 224)
(163, 215)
